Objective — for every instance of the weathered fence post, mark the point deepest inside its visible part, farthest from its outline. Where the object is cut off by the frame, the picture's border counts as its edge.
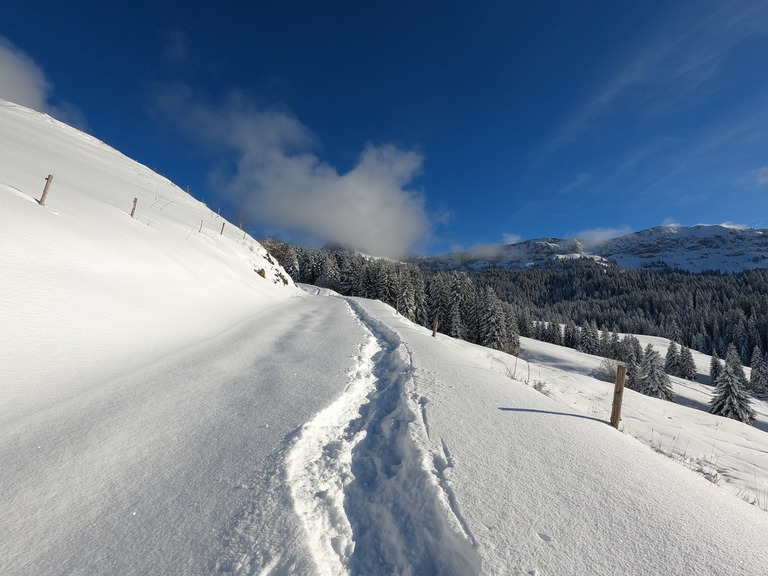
(133, 210)
(434, 326)
(618, 395)
(45, 190)
(222, 228)
(201, 226)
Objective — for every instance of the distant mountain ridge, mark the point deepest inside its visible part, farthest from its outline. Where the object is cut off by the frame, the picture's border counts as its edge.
(687, 248)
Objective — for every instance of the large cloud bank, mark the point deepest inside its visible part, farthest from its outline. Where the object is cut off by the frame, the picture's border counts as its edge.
(278, 180)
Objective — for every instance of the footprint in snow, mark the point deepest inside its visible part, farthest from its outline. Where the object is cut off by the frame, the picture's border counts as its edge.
(545, 538)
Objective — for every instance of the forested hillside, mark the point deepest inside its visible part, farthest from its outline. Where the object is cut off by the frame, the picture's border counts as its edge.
(705, 312)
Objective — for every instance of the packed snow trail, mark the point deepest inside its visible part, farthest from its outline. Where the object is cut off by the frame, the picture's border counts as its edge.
(176, 468)
(546, 491)
(369, 489)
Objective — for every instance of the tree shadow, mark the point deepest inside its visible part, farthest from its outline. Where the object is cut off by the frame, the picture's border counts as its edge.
(553, 413)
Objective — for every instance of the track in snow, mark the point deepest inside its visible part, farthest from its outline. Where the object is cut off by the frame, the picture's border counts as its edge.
(368, 484)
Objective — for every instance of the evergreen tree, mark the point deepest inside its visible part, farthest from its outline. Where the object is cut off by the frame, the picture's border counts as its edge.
(687, 365)
(493, 331)
(731, 398)
(590, 339)
(652, 379)
(715, 367)
(571, 336)
(758, 378)
(672, 360)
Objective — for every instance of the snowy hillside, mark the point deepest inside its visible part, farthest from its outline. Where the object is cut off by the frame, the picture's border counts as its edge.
(169, 405)
(692, 249)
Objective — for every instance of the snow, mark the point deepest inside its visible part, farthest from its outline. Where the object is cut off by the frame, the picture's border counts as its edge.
(694, 249)
(165, 409)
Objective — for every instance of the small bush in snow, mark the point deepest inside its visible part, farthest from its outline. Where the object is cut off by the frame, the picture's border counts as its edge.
(607, 370)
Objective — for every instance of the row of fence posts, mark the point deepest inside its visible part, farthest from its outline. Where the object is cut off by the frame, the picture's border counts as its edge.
(49, 180)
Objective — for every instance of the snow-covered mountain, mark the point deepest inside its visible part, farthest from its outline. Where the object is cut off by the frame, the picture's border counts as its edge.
(688, 248)
(171, 405)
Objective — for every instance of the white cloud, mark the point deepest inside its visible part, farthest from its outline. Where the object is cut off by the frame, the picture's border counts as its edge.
(671, 222)
(22, 82)
(734, 226)
(511, 238)
(599, 234)
(278, 180)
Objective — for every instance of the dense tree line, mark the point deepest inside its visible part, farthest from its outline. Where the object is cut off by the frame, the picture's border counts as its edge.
(451, 300)
(704, 312)
(580, 304)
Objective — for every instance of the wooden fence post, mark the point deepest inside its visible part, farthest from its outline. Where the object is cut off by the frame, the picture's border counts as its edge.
(133, 210)
(618, 395)
(201, 226)
(45, 190)
(222, 229)
(434, 326)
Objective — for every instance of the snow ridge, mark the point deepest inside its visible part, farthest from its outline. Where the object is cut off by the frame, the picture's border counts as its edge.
(370, 488)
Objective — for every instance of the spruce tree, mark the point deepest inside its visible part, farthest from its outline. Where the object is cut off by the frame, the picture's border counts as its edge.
(672, 360)
(687, 366)
(758, 378)
(731, 398)
(652, 379)
(715, 367)
(493, 330)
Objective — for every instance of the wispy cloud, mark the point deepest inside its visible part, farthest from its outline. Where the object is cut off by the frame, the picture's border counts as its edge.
(757, 177)
(511, 238)
(600, 234)
(676, 62)
(22, 82)
(278, 180)
(580, 180)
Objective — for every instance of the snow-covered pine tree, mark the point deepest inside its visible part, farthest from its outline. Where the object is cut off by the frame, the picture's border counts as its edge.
(493, 330)
(731, 397)
(652, 379)
(686, 365)
(758, 378)
(672, 360)
(715, 367)
(590, 338)
(571, 336)
(513, 336)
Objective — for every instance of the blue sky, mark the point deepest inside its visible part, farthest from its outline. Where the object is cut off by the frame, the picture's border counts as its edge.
(418, 126)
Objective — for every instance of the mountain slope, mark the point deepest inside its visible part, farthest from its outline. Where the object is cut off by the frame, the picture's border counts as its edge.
(692, 249)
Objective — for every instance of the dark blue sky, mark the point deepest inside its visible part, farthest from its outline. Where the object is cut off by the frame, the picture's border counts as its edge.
(427, 126)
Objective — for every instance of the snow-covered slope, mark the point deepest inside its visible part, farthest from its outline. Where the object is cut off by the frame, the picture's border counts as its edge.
(166, 409)
(85, 286)
(692, 249)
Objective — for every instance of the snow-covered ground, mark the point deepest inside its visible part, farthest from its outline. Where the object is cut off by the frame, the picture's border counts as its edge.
(168, 405)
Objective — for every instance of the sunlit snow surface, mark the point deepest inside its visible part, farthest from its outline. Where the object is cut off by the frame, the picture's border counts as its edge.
(165, 409)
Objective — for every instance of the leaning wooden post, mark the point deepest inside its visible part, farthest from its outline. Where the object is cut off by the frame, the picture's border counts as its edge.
(434, 326)
(133, 210)
(618, 395)
(45, 190)
(222, 228)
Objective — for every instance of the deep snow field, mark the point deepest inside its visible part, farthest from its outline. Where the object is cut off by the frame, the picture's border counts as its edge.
(169, 404)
